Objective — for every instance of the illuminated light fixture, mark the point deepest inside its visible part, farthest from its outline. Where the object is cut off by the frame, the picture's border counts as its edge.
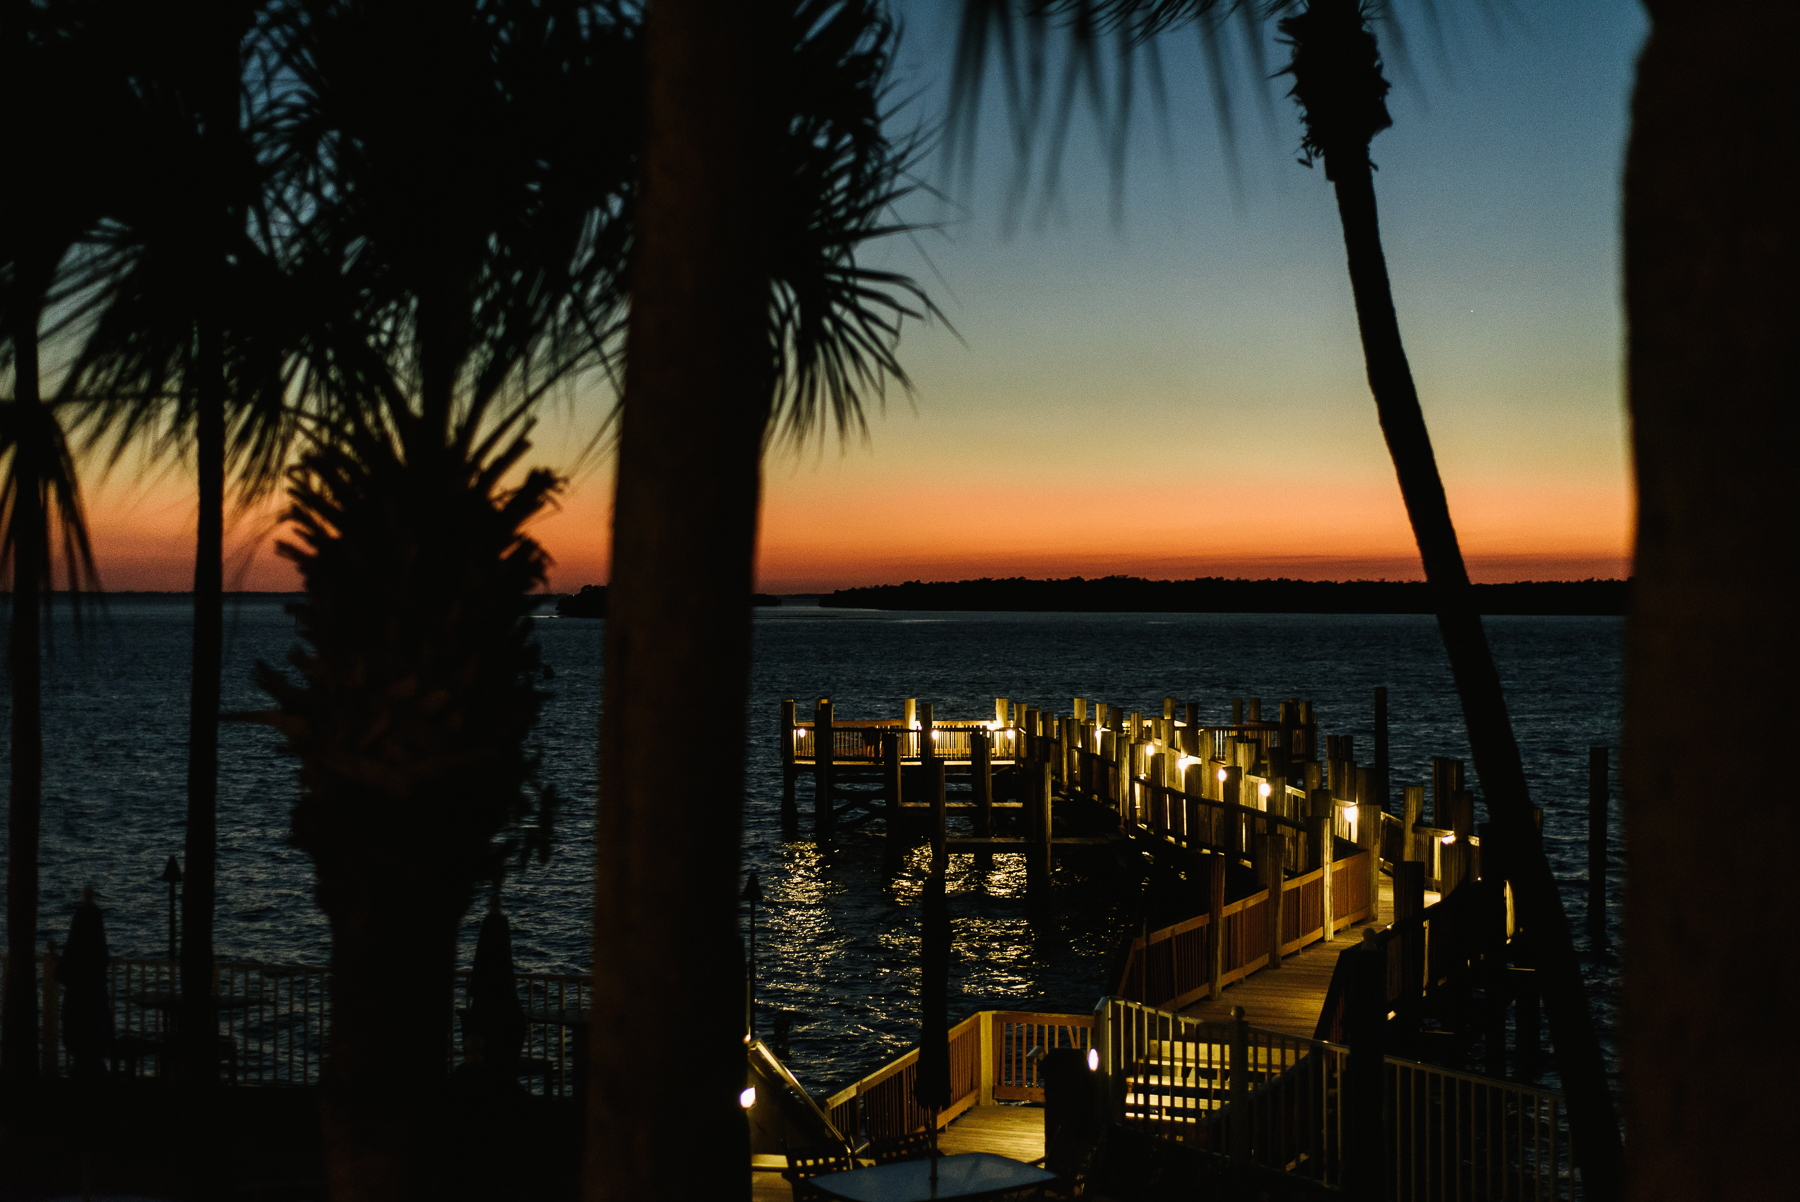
(1221, 776)
(934, 735)
(1185, 762)
(1449, 838)
(994, 725)
(1093, 1059)
(747, 1098)
(1264, 789)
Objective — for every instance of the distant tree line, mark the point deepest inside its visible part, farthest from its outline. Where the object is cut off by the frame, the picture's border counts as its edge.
(590, 602)
(1214, 594)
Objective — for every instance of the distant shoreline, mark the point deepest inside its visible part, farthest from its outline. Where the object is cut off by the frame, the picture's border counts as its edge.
(1131, 594)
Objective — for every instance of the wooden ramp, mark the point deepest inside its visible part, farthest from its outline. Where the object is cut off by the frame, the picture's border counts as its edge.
(1015, 1131)
(1289, 998)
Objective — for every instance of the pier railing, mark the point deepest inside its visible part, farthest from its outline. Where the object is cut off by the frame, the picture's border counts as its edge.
(994, 1056)
(1293, 1107)
(1174, 966)
(274, 1021)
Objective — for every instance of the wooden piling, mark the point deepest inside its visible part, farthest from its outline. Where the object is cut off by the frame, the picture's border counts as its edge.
(981, 770)
(1382, 795)
(1409, 903)
(1042, 821)
(1597, 798)
(790, 737)
(824, 748)
(1462, 825)
(909, 712)
(1446, 778)
(1237, 711)
(1190, 742)
(1229, 784)
(1255, 709)
(891, 774)
(939, 815)
(1412, 813)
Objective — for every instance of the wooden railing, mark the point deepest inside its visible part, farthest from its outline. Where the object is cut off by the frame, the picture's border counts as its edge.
(1171, 968)
(274, 1021)
(990, 1059)
(1444, 1134)
(859, 742)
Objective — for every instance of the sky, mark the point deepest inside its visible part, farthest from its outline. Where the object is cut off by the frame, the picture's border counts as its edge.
(1175, 388)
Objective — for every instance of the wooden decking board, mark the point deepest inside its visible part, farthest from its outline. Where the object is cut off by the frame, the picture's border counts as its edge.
(1015, 1131)
(1289, 998)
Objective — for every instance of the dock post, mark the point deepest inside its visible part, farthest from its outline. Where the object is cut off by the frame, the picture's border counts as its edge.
(1597, 790)
(939, 813)
(1409, 903)
(1381, 749)
(1230, 777)
(824, 752)
(1191, 718)
(1037, 851)
(1323, 839)
(790, 738)
(1368, 837)
(1273, 877)
(892, 778)
(1238, 1093)
(1215, 926)
(981, 769)
(1462, 825)
(1446, 778)
(1411, 815)
(1237, 711)
(909, 713)
(1255, 711)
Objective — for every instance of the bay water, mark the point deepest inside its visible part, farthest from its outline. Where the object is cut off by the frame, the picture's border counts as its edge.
(837, 938)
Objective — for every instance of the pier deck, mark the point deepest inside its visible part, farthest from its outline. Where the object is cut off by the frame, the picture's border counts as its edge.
(1015, 1131)
(1290, 998)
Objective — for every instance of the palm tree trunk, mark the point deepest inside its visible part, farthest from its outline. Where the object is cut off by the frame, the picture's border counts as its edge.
(1712, 262)
(668, 960)
(18, 1007)
(1496, 754)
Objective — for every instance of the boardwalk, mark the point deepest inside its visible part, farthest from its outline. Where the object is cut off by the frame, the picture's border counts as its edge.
(1288, 999)
(1015, 1131)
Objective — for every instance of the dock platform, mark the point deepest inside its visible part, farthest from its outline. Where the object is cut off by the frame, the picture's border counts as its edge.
(1015, 1131)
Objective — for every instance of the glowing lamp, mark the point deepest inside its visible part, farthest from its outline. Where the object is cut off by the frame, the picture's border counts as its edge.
(1264, 789)
(747, 1098)
(1093, 1059)
(1185, 762)
(1449, 838)
(1221, 776)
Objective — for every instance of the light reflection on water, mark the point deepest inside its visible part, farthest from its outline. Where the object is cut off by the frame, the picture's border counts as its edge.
(838, 943)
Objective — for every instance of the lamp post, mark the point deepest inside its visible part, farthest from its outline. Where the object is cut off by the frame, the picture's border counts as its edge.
(172, 877)
(752, 894)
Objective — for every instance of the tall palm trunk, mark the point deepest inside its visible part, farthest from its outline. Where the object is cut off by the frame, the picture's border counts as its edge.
(19, 1017)
(667, 1038)
(1338, 81)
(1712, 297)
(199, 1026)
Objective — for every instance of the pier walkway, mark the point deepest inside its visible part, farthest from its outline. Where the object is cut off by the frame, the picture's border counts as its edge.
(1290, 998)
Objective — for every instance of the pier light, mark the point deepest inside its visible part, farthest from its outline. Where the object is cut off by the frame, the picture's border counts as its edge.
(1221, 776)
(747, 1098)
(1186, 762)
(1093, 1060)
(1449, 838)
(1264, 789)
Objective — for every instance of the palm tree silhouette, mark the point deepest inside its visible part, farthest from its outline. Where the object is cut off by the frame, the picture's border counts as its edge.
(459, 179)
(764, 167)
(170, 287)
(56, 91)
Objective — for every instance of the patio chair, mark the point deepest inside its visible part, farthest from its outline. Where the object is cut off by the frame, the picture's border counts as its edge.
(806, 1163)
(915, 1145)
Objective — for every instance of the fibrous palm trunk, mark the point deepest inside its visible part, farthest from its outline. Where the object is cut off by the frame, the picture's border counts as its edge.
(668, 960)
(1712, 297)
(19, 1007)
(1338, 82)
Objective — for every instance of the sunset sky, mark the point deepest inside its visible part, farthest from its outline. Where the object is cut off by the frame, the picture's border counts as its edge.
(1180, 392)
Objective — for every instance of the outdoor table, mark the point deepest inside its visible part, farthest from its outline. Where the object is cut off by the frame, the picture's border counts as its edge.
(967, 1175)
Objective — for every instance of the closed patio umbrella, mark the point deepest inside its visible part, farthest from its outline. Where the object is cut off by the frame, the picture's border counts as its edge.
(495, 1019)
(87, 1018)
(931, 1085)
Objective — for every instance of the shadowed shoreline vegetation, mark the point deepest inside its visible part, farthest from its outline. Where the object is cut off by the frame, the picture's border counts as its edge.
(1216, 595)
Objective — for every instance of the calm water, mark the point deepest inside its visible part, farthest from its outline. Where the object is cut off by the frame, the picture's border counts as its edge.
(837, 944)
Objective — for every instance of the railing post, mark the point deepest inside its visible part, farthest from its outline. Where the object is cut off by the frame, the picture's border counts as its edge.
(1112, 1078)
(981, 767)
(1273, 878)
(890, 764)
(1381, 749)
(1323, 840)
(1215, 927)
(1597, 790)
(1238, 1090)
(939, 814)
(1368, 837)
(986, 1070)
